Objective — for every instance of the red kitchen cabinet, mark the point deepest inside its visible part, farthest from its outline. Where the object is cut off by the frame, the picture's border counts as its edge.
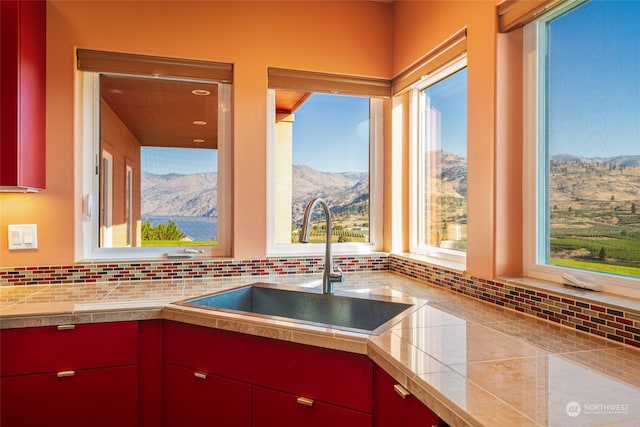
(22, 94)
(197, 398)
(273, 408)
(339, 383)
(102, 397)
(392, 409)
(150, 380)
(69, 375)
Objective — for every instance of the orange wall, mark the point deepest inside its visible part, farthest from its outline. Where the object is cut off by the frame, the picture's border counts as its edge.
(118, 140)
(339, 37)
(418, 27)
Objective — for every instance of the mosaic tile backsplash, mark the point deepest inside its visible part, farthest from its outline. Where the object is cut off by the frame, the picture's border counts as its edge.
(608, 321)
(184, 269)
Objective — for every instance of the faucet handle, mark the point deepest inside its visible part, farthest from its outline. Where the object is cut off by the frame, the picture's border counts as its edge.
(336, 275)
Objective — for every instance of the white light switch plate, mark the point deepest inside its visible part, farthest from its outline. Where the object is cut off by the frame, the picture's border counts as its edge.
(23, 236)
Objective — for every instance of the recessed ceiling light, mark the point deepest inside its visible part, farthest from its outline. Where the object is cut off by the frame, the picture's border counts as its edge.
(199, 141)
(199, 123)
(201, 92)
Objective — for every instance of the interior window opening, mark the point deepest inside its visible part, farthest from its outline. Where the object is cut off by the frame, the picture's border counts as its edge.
(163, 187)
(323, 151)
(173, 159)
(325, 141)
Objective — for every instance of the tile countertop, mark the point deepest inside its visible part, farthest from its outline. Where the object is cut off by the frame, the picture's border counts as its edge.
(471, 362)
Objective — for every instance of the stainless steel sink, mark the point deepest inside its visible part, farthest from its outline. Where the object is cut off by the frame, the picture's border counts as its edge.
(367, 314)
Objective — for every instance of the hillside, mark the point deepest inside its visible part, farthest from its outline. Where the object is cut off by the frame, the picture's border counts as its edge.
(594, 183)
(345, 192)
(179, 195)
(576, 182)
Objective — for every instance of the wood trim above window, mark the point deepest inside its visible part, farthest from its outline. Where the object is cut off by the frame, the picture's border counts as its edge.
(126, 63)
(309, 81)
(452, 48)
(513, 14)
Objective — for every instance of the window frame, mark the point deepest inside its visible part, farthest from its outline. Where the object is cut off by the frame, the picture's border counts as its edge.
(534, 162)
(376, 137)
(89, 85)
(437, 255)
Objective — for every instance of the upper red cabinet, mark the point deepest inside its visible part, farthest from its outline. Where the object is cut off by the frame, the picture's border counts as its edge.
(22, 93)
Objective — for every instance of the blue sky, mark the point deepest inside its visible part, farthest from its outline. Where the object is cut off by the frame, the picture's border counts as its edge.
(591, 116)
(331, 133)
(449, 97)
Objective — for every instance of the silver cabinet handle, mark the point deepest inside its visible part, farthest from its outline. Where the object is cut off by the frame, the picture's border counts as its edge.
(403, 392)
(66, 327)
(305, 401)
(63, 374)
(200, 375)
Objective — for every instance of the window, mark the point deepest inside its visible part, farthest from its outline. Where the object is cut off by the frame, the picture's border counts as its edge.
(582, 136)
(324, 145)
(439, 163)
(163, 182)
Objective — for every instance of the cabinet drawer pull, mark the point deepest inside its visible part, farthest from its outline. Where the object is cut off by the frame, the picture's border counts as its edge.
(305, 401)
(63, 374)
(66, 327)
(200, 375)
(403, 392)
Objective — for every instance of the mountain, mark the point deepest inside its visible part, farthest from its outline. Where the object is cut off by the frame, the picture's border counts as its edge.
(196, 195)
(575, 181)
(344, 192)
(179, 195)
(594, 183)
(626, 161)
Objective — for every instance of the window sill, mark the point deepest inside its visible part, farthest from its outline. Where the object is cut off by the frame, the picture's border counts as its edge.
(432, 260)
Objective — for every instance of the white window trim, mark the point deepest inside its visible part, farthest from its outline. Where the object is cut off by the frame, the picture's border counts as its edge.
(375, 190)
(128, 194)
(534, 175)
(106, 162)
(90, 183)
(434, 254)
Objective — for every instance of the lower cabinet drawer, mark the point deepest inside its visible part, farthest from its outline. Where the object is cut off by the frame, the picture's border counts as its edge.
(103, 397)
(67, 347)
(197, 398)
(338, 377)
(273, 408)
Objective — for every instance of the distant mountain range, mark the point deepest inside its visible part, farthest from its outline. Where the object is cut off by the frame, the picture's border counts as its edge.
(196, 194)
(348, 192)
(625, 161)
(179, 195)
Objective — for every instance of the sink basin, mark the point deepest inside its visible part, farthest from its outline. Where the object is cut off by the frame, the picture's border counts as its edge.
(343, 312)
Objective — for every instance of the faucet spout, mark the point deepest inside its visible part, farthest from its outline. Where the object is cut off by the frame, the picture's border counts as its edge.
(329, 276)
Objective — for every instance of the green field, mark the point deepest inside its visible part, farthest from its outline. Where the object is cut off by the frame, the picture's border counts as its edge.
(604, 268)
(354, 228)
(595, 239)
